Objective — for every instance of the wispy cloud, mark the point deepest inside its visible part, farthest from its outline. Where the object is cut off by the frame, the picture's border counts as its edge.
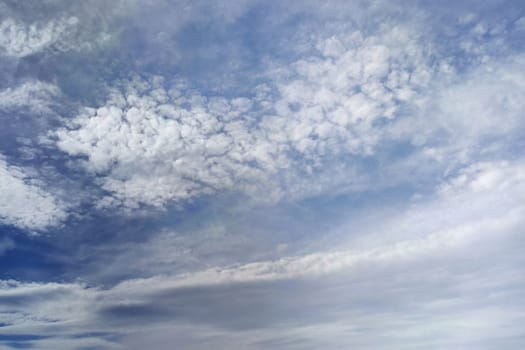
(35, 96)
(25, 204)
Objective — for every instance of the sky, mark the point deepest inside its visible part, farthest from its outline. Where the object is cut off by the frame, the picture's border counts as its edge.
(248, 174)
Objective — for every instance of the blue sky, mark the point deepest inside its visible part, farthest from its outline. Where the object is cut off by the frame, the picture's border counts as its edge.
(262, 174)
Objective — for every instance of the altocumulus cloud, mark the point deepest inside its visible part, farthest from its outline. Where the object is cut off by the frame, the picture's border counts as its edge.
(155, 142)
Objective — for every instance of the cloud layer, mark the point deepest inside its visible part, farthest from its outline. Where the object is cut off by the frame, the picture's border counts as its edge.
(449, 249)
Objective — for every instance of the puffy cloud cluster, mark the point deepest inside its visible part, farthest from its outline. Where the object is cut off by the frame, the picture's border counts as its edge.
(26, 204)
(337, 101)
(152, 143)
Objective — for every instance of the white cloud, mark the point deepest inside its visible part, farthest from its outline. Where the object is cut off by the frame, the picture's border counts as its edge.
(25, 203)
(20, 39)
(38, 97)
(478, 115)
(330, 104)
(500, 177)
(75, 296)
(55, 307)
(156, 145)
(487, 102)
(58, 26)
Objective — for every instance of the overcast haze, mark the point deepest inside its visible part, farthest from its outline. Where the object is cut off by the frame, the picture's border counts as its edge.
(253, 174)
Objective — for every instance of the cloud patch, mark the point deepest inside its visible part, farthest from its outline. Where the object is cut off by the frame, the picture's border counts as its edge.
(25, 203)
(34, 96)
(19, 39)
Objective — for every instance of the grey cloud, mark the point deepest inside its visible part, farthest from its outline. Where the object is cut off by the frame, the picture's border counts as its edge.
(436, 278)
(448, 300)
